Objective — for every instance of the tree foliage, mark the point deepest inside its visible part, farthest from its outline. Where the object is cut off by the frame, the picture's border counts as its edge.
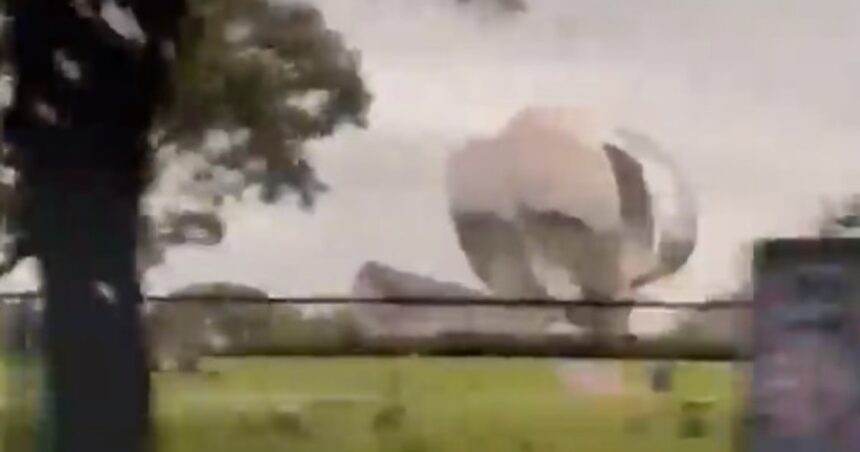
(217, 317)
(270, 77)
(841, 218)
(182, 330)
(254, 82)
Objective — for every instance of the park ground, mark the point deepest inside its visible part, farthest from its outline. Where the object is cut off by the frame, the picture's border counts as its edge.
(436, 405)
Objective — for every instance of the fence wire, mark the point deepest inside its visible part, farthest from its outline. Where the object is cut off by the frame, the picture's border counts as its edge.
(715, 330)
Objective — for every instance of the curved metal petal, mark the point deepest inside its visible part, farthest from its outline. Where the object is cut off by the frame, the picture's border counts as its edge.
(637, 210)
(497, 254)
(675, 209)
(382, 281)
(589, 257)
(551, 185)
(482, 211)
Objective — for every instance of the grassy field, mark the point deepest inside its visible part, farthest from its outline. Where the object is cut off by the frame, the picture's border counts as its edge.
(424, 405)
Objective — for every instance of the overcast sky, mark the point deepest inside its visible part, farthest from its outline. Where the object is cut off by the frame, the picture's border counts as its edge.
(756, 99)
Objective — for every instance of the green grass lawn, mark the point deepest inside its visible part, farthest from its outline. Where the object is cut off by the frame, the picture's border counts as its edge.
(426, 404)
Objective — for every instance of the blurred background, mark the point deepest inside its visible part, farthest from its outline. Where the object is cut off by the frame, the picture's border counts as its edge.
(752, 103)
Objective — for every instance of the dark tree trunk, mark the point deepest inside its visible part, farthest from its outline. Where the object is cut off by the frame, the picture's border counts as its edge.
(79, 142)
(84, 237)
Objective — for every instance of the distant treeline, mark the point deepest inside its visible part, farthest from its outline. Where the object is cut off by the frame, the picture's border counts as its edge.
(182, 332)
